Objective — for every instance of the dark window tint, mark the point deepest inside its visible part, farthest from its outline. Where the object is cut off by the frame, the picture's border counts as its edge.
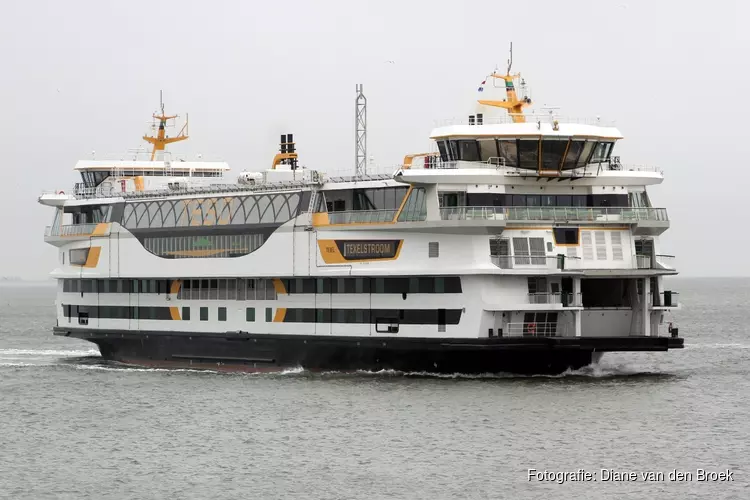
(186, 314)
(571, 157)
(250, 314)
(222, 314)
(552, 153)
(469, 150)
(204, 313)
(269, 315)
(565, 235)
(528, 153)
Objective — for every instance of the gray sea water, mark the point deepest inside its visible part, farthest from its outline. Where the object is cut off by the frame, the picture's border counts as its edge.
(73, 426)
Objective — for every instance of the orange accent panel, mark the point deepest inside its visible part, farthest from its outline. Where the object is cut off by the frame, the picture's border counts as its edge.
(138, 180)
(175, 313)
(174, 288)
(280, 314)
(320, 219)
(101, 229)
(279, 286)
(93, 258)
(331, 254)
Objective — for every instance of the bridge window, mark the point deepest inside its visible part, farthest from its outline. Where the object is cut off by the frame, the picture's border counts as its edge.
(528, 153)
(453, 150)
(571, 157)
(468, 150)
(552, 153)
(588, 149)
(488, 149)
(602, 152)
(443, 147)
(508, 150)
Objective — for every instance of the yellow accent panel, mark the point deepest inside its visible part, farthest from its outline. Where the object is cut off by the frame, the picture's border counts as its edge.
(138, 180)
(408, 159)
(175, 313)
(279, 286)
(282, 156)
(101, 229)
(331, 254)
(93, 258)
(174, 288)
(320, 219)
(280, 314)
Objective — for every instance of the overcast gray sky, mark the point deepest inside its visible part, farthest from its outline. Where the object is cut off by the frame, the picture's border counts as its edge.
(85, 75)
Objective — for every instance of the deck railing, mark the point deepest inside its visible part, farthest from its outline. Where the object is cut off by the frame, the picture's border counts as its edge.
(533, 329)
(642, 261)
(562, 214)
(69, 230)
(566, 299)
(361, 216)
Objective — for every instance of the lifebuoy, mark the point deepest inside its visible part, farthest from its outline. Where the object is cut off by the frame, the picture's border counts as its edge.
(531, 328)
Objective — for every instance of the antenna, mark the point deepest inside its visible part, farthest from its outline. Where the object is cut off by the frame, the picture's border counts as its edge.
(360, 137)
(510, 60)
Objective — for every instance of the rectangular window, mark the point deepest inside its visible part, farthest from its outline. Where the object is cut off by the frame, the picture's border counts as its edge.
(222, 314)
(269, 315)
(250, 314)
(185, 314)
(78, 256)
(565, 235)
(204, 313)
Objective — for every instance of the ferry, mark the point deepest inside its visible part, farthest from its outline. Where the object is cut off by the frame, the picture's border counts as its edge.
(519, 243)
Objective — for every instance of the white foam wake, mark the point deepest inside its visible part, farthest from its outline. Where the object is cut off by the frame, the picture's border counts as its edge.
(46, 352)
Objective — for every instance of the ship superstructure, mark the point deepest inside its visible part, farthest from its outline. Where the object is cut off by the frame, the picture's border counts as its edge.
(519, 244)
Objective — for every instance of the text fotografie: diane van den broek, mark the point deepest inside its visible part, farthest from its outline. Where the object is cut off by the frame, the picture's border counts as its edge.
(613, 475)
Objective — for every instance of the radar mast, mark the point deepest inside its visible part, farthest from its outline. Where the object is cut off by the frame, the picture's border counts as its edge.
(513, 104)
(161, 140)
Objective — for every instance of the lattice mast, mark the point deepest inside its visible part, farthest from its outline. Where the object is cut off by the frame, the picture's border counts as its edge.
(360, 126)
(161, 140)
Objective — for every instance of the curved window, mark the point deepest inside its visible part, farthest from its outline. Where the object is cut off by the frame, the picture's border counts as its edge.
(528, 153)
(256, 209)
(204, 246)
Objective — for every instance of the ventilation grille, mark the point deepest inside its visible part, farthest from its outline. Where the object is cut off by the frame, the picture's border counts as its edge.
(616, 245)
(433, 249)
(588, 250)
(601, 245)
